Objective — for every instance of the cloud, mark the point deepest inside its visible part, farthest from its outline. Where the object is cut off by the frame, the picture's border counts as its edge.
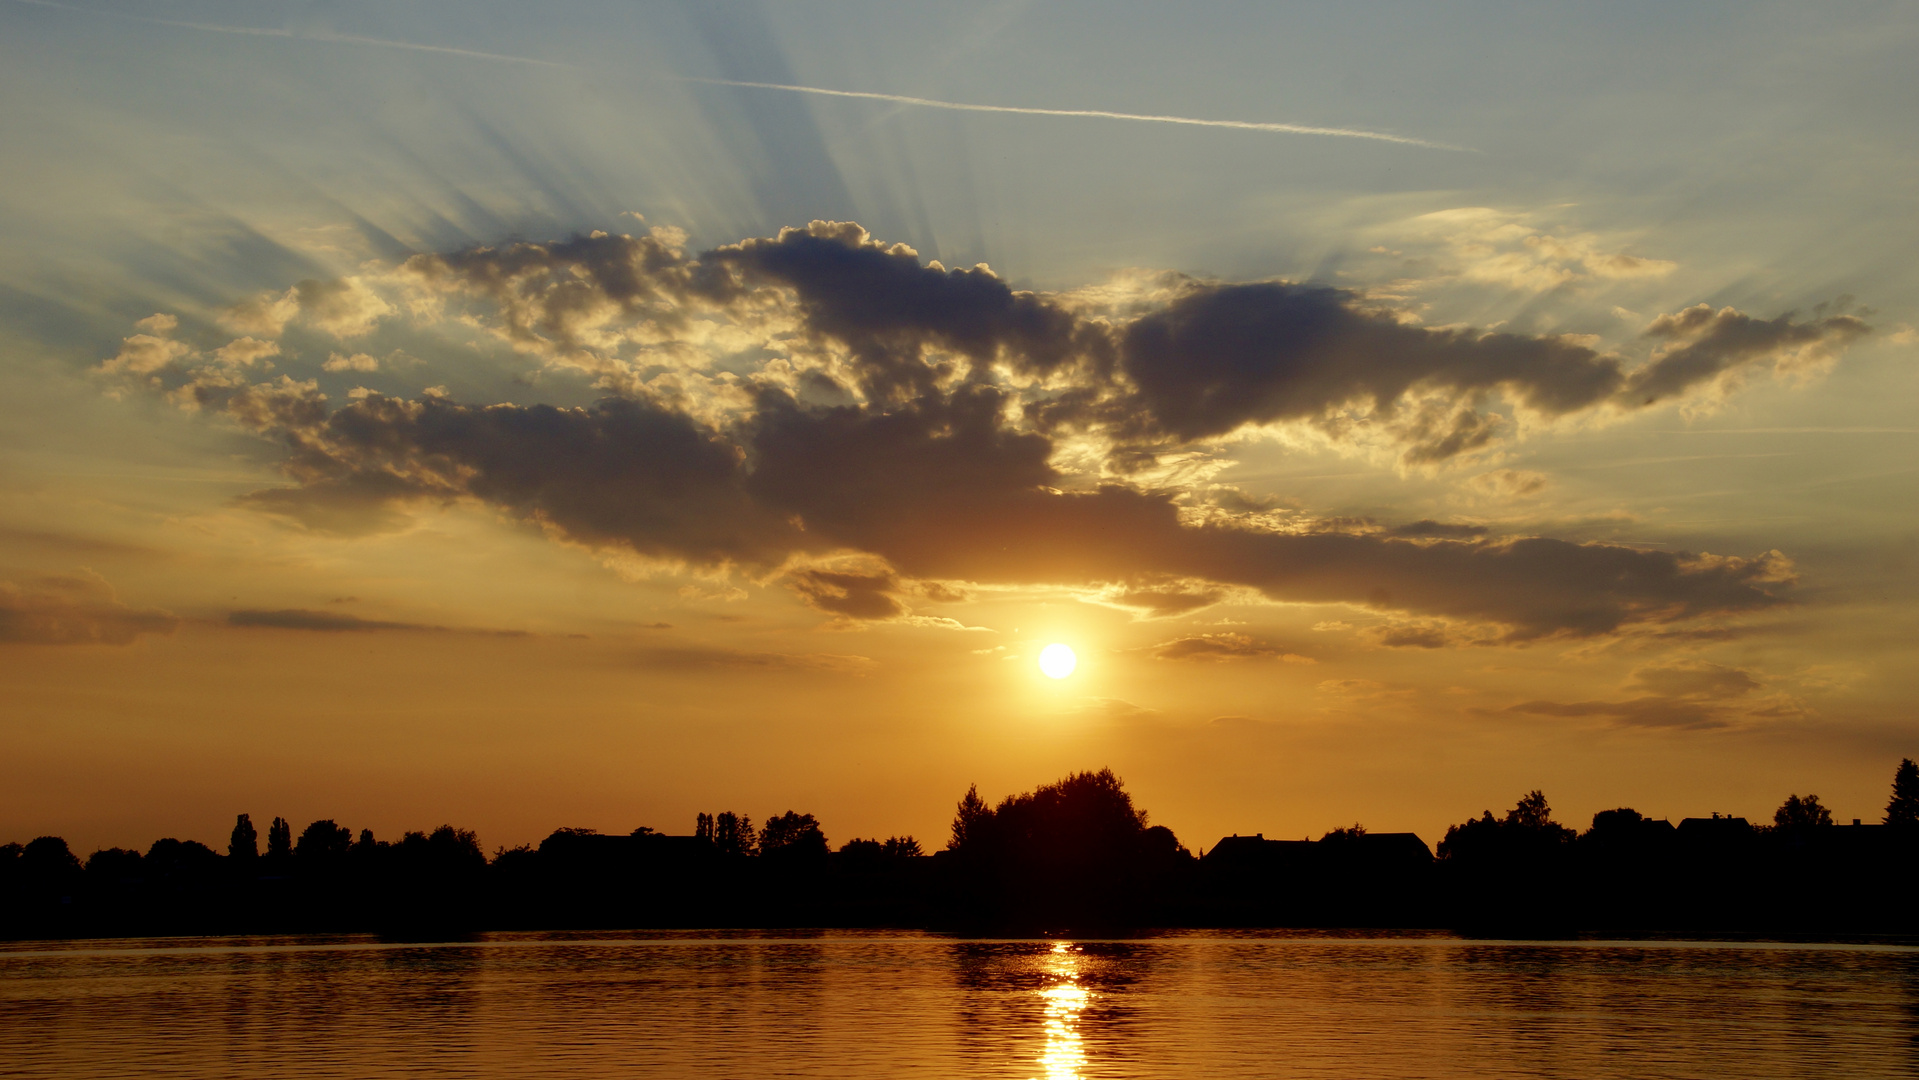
(1413, 636)
(355, 362)
(1162, 598)
(866, 596)
(889, 310)
(1701, 345)
(944, 459)
(1427, 527)
(941, 491)
(1187, 361)
(81, 609)
(1484, 246)
(1222, 356)
(1215, 647)
(149, 352)
(1695, 679)
(343, 307)
(329, 621)
(695, 656)
(245, 352)
(1218, 358)
(1690, 695)
(1510, 483)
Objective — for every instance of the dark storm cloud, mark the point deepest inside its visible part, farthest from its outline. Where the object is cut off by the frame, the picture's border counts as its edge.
(888, 308)
(1222, 356)
(946, 491)
(854, 595)
(939, 474)
(1209, 361)
(627, 473)
(1708, 343)
(74, 610)
(550, 294)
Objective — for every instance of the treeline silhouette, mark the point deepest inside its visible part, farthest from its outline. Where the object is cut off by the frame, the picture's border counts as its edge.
(1073, 855)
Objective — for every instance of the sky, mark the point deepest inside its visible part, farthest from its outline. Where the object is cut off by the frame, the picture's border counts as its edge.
(592, 414)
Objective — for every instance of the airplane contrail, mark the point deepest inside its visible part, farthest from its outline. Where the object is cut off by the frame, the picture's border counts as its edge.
(1098, 114)
(278, 32)
(899, 99)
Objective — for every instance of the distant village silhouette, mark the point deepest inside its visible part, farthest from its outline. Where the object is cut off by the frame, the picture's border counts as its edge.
(1071, 857)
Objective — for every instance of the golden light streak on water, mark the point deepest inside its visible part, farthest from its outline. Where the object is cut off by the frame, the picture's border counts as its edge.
(1065, 1054)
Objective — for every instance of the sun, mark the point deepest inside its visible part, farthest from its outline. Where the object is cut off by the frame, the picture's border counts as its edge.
(1057, 661)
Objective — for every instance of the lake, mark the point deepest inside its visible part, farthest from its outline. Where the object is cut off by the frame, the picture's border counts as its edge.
(902, 1004)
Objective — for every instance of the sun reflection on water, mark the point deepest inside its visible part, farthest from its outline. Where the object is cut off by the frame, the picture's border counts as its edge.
(1065, 1055)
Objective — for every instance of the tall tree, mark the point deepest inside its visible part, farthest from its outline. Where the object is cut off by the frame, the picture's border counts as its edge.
(969, 819)
(1903, 810)
(733, 834)
(279, 839)
(245, 841)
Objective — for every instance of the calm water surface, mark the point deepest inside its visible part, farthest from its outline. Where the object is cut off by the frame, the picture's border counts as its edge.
(914, 1005)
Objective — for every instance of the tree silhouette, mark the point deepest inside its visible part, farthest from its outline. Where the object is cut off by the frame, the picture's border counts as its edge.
(970, 819)
(1619, 820)
(901, 847)
(171, 858)
(1798, 813)
(792, 835)
(323, 841)
(1527, 830)
(1532, 813)
(1903, 810)
(279, 839)
(113, 864)
(48, 858)
(445, 850)
(245, 841)
(733, 834)
(1075, 852)
(703, 827)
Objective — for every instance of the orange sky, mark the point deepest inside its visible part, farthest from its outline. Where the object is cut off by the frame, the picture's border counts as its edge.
(386, 441)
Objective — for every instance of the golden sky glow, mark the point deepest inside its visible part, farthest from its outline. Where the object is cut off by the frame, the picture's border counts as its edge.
(447, 414)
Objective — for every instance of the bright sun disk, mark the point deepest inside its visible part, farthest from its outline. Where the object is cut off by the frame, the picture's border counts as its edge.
(1057, 661)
